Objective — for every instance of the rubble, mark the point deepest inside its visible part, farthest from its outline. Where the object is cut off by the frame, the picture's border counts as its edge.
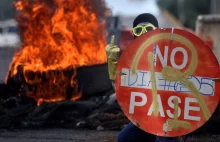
(88, 113)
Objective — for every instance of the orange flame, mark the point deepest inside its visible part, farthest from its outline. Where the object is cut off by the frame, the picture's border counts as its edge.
(57, 36)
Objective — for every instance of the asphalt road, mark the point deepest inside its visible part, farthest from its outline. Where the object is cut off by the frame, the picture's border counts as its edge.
(57, 135)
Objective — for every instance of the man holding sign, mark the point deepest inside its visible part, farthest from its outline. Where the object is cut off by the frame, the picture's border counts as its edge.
(164, 82)
(143, 23)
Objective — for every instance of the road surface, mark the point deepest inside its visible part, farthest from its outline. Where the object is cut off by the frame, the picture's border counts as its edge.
(57, 135)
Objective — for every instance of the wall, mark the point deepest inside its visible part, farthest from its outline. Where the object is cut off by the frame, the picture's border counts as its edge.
(209, 25)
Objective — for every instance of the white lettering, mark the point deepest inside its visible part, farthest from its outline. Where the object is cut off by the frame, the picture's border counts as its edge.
(171, 104)
(133, 103)
(188, 108)
(185, 58)
(159, 105)
(163, 60)
(143, 101)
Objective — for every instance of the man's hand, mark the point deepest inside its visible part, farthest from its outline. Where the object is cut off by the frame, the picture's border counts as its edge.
(112, 52)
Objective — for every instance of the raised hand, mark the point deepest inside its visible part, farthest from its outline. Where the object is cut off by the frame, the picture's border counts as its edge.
(112, 52)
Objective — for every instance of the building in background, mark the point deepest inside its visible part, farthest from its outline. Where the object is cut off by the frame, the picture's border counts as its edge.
(8, 25)
(215, 6)
(9, 39)
(8, 34)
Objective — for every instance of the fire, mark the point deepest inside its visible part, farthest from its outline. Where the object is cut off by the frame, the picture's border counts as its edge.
(58, 36)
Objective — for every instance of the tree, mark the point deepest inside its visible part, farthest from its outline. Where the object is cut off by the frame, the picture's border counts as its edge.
(192, 8)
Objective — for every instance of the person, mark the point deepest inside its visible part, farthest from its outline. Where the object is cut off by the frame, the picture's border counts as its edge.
(143, 23)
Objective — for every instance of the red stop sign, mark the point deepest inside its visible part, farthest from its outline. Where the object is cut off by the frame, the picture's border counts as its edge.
(165, 83)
